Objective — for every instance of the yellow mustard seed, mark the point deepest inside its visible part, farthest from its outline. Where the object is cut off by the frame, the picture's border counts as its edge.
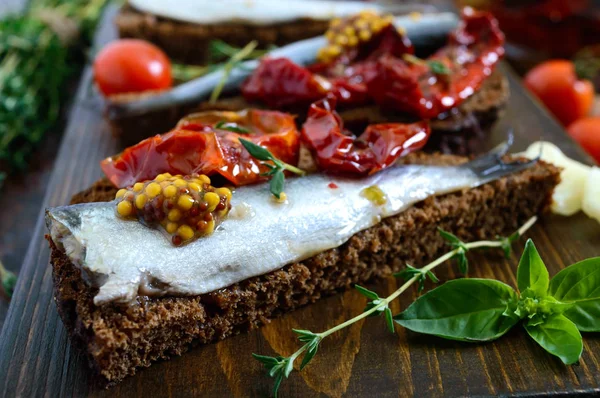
(153, 190)
(330, 34)
(361, 23)
(140, 201)
(349, 30)
(334, 51)
(186, 232)
(185, 202)
(124, 208)
(180, 183)
(138, 186)
(210, 227)
(194, 186)
(165, 184)
(282, 198)
(160, 178)
(364, 35)
(170, 191)
(352, 41)
(224, 192)
(204, 178)
(171, 227)
(341, 40)
(174, 215)
(120, 193)
(212, 199)
(335, 22)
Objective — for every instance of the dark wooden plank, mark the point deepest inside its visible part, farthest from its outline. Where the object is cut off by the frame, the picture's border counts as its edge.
(37, 359)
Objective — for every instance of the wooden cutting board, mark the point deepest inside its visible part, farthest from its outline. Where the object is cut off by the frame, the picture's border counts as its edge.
(36, 357)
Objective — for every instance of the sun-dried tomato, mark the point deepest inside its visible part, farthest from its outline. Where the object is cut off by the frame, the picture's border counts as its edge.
(197, 145)
(337, 151)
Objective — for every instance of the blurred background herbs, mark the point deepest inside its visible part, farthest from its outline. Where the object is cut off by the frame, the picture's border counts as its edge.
(40, 50)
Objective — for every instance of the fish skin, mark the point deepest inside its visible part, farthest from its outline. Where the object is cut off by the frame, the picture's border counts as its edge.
(121, 256)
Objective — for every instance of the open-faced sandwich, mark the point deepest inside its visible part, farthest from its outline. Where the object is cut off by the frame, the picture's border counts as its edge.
(185, 31)
(379, 68)
(235, 217)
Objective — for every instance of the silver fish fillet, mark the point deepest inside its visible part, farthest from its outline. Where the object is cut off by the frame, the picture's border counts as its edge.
(126, 259)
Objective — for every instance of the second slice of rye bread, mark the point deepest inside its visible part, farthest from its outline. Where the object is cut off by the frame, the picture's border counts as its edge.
(120, 339)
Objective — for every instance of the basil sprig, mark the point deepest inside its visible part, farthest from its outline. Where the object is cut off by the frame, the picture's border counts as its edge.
(276, 166)
(552, 311)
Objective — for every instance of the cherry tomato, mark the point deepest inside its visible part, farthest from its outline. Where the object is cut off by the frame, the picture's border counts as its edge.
(130, 66)
(587, 133)
(558, 87)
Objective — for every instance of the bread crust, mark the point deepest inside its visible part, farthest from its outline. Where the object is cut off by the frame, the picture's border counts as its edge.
(120, 339)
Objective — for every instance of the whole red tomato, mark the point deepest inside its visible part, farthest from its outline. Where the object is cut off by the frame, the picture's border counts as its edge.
(587, 133)
(130, 66)
(558, 87)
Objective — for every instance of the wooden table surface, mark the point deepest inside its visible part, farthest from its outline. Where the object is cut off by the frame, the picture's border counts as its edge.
(37, 359)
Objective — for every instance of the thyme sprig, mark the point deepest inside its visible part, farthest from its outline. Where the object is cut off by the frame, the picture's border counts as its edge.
(9, 280)
(39, 51)
(233, 62)
(276, 166)
(280, 367)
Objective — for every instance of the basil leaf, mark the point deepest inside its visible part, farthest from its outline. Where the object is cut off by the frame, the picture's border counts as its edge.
(559, 336)
(463, 309)
(256, 150)
(579, 285)
(532, 273)
(276, 184)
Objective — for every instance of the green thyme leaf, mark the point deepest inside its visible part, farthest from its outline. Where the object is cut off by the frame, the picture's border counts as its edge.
(462, 261)
(311, 351)
(366, 292)
(462, 309)
(233, 127)
(532, 273)
(579, 285)
(438, 68)
(233, 62)
(559, 336)
(451, 238)
(277, 183)
(389, 319)
(410, 271)
(257, 151)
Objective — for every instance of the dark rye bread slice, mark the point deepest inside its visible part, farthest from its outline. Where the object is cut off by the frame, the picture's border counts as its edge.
(459, 131)
(188, 42)
(120, 339)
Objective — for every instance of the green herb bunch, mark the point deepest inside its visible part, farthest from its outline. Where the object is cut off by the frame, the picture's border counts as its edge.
(39, 51)
(475, 310)
(8, 280)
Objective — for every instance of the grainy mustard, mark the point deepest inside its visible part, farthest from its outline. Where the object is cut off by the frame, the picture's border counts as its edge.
(183, 207)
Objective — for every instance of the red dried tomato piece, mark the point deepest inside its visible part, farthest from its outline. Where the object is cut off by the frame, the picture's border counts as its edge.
(278, 82)
(469, 58)
(377, 148)
(196, 145)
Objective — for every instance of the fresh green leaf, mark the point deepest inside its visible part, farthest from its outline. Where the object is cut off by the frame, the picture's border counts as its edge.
(462, 309)
(559, 336)
(579, 285)
(532, 273)
(366, 292)
(432, 277)
(438, 68)
(451, 238)
(311, 351)
(305, 335)
(233, 127)
(277, 182)
(389, 319)
(256, 151)
(410, 271)
(461, 260)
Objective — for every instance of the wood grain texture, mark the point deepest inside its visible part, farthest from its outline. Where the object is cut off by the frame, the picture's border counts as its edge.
(36, 358)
